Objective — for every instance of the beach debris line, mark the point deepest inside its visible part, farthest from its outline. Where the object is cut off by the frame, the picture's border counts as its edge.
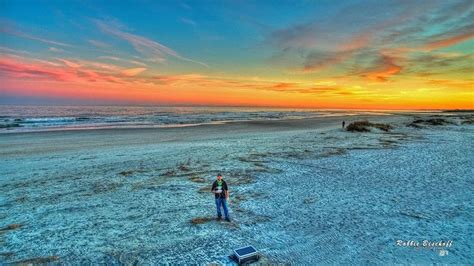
(364, 126)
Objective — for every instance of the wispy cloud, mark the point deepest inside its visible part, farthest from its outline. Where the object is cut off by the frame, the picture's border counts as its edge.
(189, 22)
(115, 58)
(56, 50)
(8, 30)
(7, 50)
(99, 44)
(152, 49)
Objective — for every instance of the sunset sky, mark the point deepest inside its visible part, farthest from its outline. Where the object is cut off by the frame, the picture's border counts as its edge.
(317, 54)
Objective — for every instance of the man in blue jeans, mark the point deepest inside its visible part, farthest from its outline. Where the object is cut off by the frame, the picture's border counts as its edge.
(221, 193)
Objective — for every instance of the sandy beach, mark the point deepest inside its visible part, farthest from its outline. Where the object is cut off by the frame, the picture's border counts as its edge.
(303, 191)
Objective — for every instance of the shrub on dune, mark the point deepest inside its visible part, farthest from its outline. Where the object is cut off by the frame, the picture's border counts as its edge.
(358, 126)
(431, 121)
(364, 126)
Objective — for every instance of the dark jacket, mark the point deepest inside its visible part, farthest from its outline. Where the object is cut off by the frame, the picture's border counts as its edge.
(223, 187)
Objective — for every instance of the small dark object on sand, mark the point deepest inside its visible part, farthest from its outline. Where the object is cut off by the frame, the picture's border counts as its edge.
(245, 255)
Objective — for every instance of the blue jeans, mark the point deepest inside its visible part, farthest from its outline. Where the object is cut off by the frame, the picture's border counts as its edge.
(222, 202)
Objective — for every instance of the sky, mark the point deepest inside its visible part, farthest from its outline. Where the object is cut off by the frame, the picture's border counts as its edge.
(306, 54)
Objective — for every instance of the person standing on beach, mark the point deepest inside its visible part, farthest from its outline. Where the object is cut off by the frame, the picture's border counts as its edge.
(221, 194)
(343, 124)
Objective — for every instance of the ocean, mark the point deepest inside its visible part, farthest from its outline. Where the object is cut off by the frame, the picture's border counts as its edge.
(40, 118)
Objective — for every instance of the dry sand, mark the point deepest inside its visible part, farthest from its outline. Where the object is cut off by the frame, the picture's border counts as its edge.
(303, 191)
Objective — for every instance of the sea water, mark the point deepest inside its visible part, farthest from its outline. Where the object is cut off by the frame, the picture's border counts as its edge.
(40, 118)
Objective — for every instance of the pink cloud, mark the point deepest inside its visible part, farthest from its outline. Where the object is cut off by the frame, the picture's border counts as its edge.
(18, 69)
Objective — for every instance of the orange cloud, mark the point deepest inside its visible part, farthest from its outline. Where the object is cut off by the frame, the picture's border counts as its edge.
(384, 70)
(170, 79)
(467, 85)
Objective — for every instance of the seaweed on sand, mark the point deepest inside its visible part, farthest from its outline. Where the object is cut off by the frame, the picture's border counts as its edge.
(201, 220)
(205, 189)
(197, 179)
(413, 214)
(126, 173)
(333, 152)
(309, 200)
(185, 166)
(99, 187)
(150, 183)
(10, 227)
(169, 173)
(388, 142)
(254, 158)
(37, 260)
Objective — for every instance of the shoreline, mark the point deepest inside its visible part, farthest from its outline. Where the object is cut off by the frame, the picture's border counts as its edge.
(104, 126)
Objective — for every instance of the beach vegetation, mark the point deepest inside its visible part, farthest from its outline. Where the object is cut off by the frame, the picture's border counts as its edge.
(364, 126)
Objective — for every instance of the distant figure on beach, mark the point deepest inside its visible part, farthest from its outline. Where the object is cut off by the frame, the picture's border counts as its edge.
(343, 124)
(221, 193)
